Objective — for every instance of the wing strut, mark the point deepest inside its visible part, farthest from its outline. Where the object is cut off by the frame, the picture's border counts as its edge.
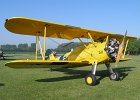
(91, 38)
(82, 43)
(36, 47)
(41, 52)
(44, 42)
(38, 43)
(106, 39)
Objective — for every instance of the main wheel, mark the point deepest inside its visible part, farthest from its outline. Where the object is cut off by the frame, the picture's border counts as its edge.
(90, 79)
(114, 76)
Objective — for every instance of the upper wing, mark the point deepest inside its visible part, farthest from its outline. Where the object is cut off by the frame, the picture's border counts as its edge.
(45, 64)
(34, 27)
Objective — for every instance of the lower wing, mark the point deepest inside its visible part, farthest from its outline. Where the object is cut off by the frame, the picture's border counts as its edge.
(45, 64)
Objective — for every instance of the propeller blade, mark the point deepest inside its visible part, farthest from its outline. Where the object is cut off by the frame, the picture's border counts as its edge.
(119, 54)
(120, 51)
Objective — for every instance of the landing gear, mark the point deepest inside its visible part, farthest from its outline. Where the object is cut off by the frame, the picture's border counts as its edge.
(113, 74)
(90, 79)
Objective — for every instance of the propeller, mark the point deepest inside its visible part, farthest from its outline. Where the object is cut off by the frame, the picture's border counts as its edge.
(120, 51)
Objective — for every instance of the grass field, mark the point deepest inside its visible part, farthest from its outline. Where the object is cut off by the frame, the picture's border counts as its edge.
(68, 84)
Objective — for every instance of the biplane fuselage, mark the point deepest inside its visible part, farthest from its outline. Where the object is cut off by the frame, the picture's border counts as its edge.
(90, 53)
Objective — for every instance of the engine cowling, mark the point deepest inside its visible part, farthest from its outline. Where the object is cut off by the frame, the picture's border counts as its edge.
(111, 48)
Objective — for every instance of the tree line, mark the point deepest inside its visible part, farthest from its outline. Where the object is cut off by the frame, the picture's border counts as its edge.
(133, 47)
(19, 48)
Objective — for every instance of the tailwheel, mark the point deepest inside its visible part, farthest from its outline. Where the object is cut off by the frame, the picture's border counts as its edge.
(114, 76)
(90, 79)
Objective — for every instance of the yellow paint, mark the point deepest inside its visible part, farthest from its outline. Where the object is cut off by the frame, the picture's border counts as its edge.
(44, 42)
(95, 62)
(36, 47)
(125, 48)
(120, 51)
(107, 39)
(92, 53)
(89, 80)
(67, 54)
(119, 54)
(51, 57)
(90, 37)
(31, 26)
(44, 64)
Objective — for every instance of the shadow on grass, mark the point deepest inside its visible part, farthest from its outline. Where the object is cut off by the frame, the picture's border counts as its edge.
(59, 78)
(1, 84)
(76, 74)
(123, 71)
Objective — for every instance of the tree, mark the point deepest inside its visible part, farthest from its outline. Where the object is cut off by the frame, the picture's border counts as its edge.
(134, 47)
(23, 47)
(33, 47)
(9, 47)
(66, 47)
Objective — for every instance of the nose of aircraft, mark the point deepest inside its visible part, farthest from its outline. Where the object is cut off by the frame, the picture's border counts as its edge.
(112, 48)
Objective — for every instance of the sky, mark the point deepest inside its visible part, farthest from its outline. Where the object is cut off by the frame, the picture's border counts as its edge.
(115, 16)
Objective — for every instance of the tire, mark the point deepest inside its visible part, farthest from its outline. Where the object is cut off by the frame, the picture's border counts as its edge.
(114, 76)
(90, 79)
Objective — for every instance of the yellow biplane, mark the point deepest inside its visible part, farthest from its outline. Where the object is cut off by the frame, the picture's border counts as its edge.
(103, 48)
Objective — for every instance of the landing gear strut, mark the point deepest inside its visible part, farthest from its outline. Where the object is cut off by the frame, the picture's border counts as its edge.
(90, 79)
(113, 74)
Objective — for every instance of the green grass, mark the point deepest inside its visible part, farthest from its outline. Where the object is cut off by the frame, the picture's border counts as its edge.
(68, 84)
